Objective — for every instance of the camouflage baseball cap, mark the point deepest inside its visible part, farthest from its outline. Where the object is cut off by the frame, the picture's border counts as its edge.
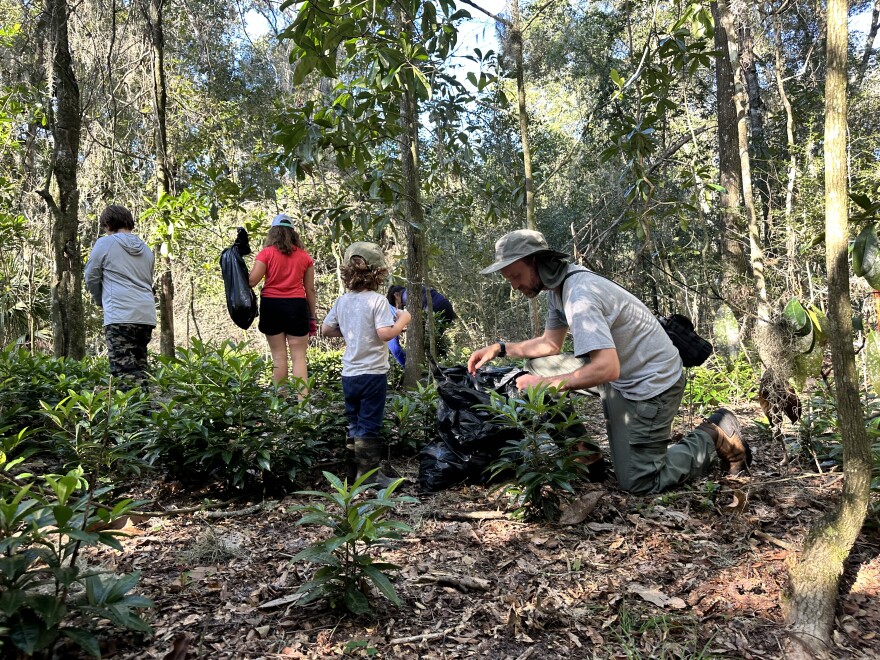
(517, 245)
(369, 252)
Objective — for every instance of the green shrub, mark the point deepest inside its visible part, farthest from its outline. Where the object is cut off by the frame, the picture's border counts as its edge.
(719, 382)
(412, 417)
(44, 593)
(28, 378)
(543, 461)
(325, 366)
(219, 418)
(102, 426)
(357, 526)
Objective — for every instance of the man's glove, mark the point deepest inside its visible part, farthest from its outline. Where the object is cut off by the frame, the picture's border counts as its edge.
(313, 327)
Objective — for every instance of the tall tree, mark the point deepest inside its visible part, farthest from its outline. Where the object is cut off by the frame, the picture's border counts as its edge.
(813, 588)
(66, 123)
(153, 12)
(734, 264)
(740, 99)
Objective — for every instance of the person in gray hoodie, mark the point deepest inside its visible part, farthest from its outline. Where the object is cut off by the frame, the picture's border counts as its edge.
(119, 275)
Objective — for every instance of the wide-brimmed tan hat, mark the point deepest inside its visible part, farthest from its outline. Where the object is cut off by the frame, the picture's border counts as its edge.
(517, 245)
(369, 252)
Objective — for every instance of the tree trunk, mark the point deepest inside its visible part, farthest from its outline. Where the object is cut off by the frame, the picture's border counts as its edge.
(758, 141)
(163, 172)
(791, 237)
(869, 44)
(739, 99)
(733, 259)
(66, 122)
(516, 48)
(812, 591)
(415, 238)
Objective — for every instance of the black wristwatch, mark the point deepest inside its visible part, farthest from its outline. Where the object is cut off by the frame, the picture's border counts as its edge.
(502, 349)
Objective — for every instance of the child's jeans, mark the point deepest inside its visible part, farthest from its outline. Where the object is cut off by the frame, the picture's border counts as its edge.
(365, 404)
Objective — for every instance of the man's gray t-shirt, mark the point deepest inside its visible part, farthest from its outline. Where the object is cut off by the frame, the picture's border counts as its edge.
(358, 314)
(601, 314)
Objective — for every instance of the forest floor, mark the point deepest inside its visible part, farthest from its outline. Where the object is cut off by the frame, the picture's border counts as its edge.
(696, 573)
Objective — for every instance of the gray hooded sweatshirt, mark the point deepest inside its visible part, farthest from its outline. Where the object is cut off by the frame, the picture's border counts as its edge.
(119, 275)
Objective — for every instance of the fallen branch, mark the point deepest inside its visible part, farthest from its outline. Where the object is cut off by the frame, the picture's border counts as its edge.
(461, 582)
(471, 515)
(785, 545)
(268, 504)
(426, 637)
(201, 512)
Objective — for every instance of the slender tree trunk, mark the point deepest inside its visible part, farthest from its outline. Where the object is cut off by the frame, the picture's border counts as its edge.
(758, 141)
(163, 171)
(415, 238)
(67, 305)
(812, 592)
(869, 44)
(739, 99)
(516, 48)
(733, 259)
(790, 242)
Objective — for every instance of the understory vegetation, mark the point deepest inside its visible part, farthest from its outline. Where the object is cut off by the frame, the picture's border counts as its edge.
(211, 418)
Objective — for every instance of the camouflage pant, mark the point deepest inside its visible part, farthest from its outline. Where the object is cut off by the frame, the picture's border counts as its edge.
(127, 351)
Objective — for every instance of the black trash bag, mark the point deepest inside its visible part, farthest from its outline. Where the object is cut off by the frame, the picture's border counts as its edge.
(241, 301)
(470, 440)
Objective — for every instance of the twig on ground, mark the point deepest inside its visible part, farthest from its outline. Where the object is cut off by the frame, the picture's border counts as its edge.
(471, 515)
(461, 582)
(785, 545)
(425, 637)
(200, 510)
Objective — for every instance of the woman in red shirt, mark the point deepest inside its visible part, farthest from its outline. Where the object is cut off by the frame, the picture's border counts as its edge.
(287, 301)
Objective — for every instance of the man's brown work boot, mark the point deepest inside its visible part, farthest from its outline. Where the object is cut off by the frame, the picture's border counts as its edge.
(735, 454)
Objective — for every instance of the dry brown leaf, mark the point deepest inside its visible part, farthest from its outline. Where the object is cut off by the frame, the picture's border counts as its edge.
(655, 596)
(578, 510)
(739, 502)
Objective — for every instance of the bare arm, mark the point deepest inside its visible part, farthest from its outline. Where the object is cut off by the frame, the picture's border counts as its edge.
(603, 367)
(309, 284)
(550, 343)
(390, 332)
(258, 272)
(330, 331)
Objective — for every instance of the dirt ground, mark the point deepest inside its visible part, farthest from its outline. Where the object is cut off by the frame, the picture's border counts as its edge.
(696, 573)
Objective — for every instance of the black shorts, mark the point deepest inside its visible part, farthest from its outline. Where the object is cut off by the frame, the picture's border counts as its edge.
(289, 316)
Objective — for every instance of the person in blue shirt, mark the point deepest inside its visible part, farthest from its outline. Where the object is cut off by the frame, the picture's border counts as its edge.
(439, 304)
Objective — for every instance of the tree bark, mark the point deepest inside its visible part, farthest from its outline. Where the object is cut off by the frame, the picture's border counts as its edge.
(791, 237)
(869, 45)
(758, 141)
(756, 253)
(733, 259)
(812, 591)
(516, 49)
(163, 171)
(66, 123)
(415, 238)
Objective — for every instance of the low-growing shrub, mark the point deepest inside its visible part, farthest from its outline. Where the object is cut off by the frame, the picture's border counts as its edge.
(103, 426)
(412, 417)
(542, 463)
(219, 418)
(358, 524)
(720, 382)
(28, 378)
(45, 594)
